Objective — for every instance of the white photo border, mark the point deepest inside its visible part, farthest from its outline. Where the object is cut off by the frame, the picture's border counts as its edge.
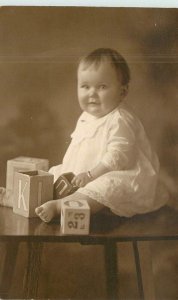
(93, 3)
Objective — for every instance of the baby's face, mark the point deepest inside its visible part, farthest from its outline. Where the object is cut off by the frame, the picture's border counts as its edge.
(99, 89)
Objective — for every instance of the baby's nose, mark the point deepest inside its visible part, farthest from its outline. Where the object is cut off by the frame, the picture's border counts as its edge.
(92, 92)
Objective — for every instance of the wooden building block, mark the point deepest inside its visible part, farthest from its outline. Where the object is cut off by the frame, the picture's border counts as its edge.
(31, 189)
(75, 217)
(63, 186)
(2, 195)
(21, 163)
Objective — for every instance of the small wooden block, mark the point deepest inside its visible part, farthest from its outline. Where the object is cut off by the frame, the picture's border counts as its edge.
(75, 217)
(63, 186)
(31, 189)
(22, 163)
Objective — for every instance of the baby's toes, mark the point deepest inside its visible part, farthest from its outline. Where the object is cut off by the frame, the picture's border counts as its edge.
(44, 217)
(38, 210)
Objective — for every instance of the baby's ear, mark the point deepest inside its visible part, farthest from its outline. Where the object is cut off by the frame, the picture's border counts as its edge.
(124, 90)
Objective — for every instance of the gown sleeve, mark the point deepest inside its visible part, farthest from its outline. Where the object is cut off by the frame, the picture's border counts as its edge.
(121, 146)
(56, 171)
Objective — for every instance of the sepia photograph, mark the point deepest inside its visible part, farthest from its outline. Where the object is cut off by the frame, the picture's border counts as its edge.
(88, 153)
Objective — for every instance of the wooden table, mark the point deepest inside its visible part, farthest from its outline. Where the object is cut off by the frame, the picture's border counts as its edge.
(105, 230)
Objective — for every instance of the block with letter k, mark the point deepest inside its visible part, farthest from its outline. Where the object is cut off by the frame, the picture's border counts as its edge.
(31, 189)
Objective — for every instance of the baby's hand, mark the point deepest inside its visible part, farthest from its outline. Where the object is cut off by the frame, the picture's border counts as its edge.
(81, 179)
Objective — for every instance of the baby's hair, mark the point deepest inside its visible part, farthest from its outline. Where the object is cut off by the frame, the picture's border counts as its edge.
(117, 61)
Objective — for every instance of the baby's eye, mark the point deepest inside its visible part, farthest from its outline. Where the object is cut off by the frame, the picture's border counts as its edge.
(85, 86)
(102, 86)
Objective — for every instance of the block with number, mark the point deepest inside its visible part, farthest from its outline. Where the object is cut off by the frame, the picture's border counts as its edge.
(22, 163)
(31, 189)
(75, 217)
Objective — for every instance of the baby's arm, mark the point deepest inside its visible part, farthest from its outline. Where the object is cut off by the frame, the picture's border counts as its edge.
(120, 153)
(82, 179)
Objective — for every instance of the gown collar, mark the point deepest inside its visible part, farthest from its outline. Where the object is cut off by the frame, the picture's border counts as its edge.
(88, 125)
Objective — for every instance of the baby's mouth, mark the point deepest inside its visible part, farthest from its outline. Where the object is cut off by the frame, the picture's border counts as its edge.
(93, 102)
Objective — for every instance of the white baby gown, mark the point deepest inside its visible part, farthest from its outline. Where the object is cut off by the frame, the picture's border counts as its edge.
(118, 140)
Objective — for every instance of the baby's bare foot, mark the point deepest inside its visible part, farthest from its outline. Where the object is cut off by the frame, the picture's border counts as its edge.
(48, 210)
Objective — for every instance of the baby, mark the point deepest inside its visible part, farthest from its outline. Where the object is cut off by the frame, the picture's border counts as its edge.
(110, 153)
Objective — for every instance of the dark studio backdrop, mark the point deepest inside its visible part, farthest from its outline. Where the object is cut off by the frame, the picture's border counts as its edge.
(39, 51)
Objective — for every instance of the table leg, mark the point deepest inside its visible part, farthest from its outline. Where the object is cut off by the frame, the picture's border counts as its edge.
(30, 286)
(11, 250)
(111, 269)
(138, 270)
(147, 270)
